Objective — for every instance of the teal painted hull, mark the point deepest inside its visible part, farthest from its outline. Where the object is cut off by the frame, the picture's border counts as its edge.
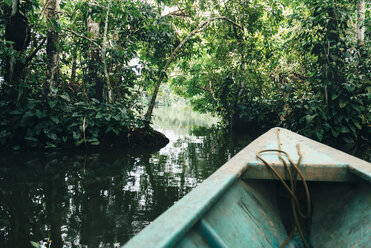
(243, 205)
(248, 216)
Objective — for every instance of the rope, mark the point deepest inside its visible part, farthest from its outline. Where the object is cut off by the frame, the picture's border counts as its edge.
(292, 188)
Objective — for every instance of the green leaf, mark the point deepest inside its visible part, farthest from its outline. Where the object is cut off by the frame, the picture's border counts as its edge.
(31, 139)
(108, 129)
(8, 2)
(75, 135)
(334, 96)
(319, 134)
(54, 119)
(95, 143)
(28, 114)
(65, 97)
(334, 133)
(50, 145)
(356, 123)
(52, 103)
(16, 148)
(353, 130)
(40, 114)
(348, 140)
(52, 136)
(344, 129)
(15, 112)
(343, 104)
(116, 131)
(34, 244)
(79, 142)
(310, 118)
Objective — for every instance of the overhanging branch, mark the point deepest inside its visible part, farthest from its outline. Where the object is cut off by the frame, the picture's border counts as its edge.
(33, 54)
(83, 37)
(198, 29)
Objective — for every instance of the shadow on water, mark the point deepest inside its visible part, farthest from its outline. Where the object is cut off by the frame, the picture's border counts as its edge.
(102, 199)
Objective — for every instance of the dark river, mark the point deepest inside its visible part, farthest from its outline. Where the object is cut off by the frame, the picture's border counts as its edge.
(103, 198)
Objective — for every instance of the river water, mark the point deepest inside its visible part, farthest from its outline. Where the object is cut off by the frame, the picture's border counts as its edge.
(103, 198)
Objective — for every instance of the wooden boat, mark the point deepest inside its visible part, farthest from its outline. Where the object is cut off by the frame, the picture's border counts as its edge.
(240, 205)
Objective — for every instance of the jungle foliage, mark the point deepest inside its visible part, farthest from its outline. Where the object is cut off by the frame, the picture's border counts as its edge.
(74, 72)
(93, 94)
(297, 64)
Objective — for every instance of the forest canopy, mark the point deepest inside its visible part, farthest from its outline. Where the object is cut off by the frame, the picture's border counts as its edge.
(76, 72)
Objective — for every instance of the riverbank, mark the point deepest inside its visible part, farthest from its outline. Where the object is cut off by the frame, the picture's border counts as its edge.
(57, 123)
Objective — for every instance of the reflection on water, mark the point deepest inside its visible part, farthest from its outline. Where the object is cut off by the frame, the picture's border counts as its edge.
(102, 198)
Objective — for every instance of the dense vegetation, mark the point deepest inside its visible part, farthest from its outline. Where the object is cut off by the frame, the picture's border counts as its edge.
(304, 65)
(74, 72)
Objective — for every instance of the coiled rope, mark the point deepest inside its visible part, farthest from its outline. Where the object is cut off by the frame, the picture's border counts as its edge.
(296, 209)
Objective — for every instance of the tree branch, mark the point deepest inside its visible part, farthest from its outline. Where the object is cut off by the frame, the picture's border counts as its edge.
(210, 90)
(98, 5)
(83, 37)
(179, 13)
(199, 28)
(33, 54)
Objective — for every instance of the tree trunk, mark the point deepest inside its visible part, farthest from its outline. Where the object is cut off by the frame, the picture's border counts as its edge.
(154, 96)
(16, 30)
(73, 69)
(361, 29)
(106, 74)
(52, 18)
(94, 61)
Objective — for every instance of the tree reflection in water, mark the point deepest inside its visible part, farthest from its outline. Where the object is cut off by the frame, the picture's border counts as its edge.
(102, 199)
